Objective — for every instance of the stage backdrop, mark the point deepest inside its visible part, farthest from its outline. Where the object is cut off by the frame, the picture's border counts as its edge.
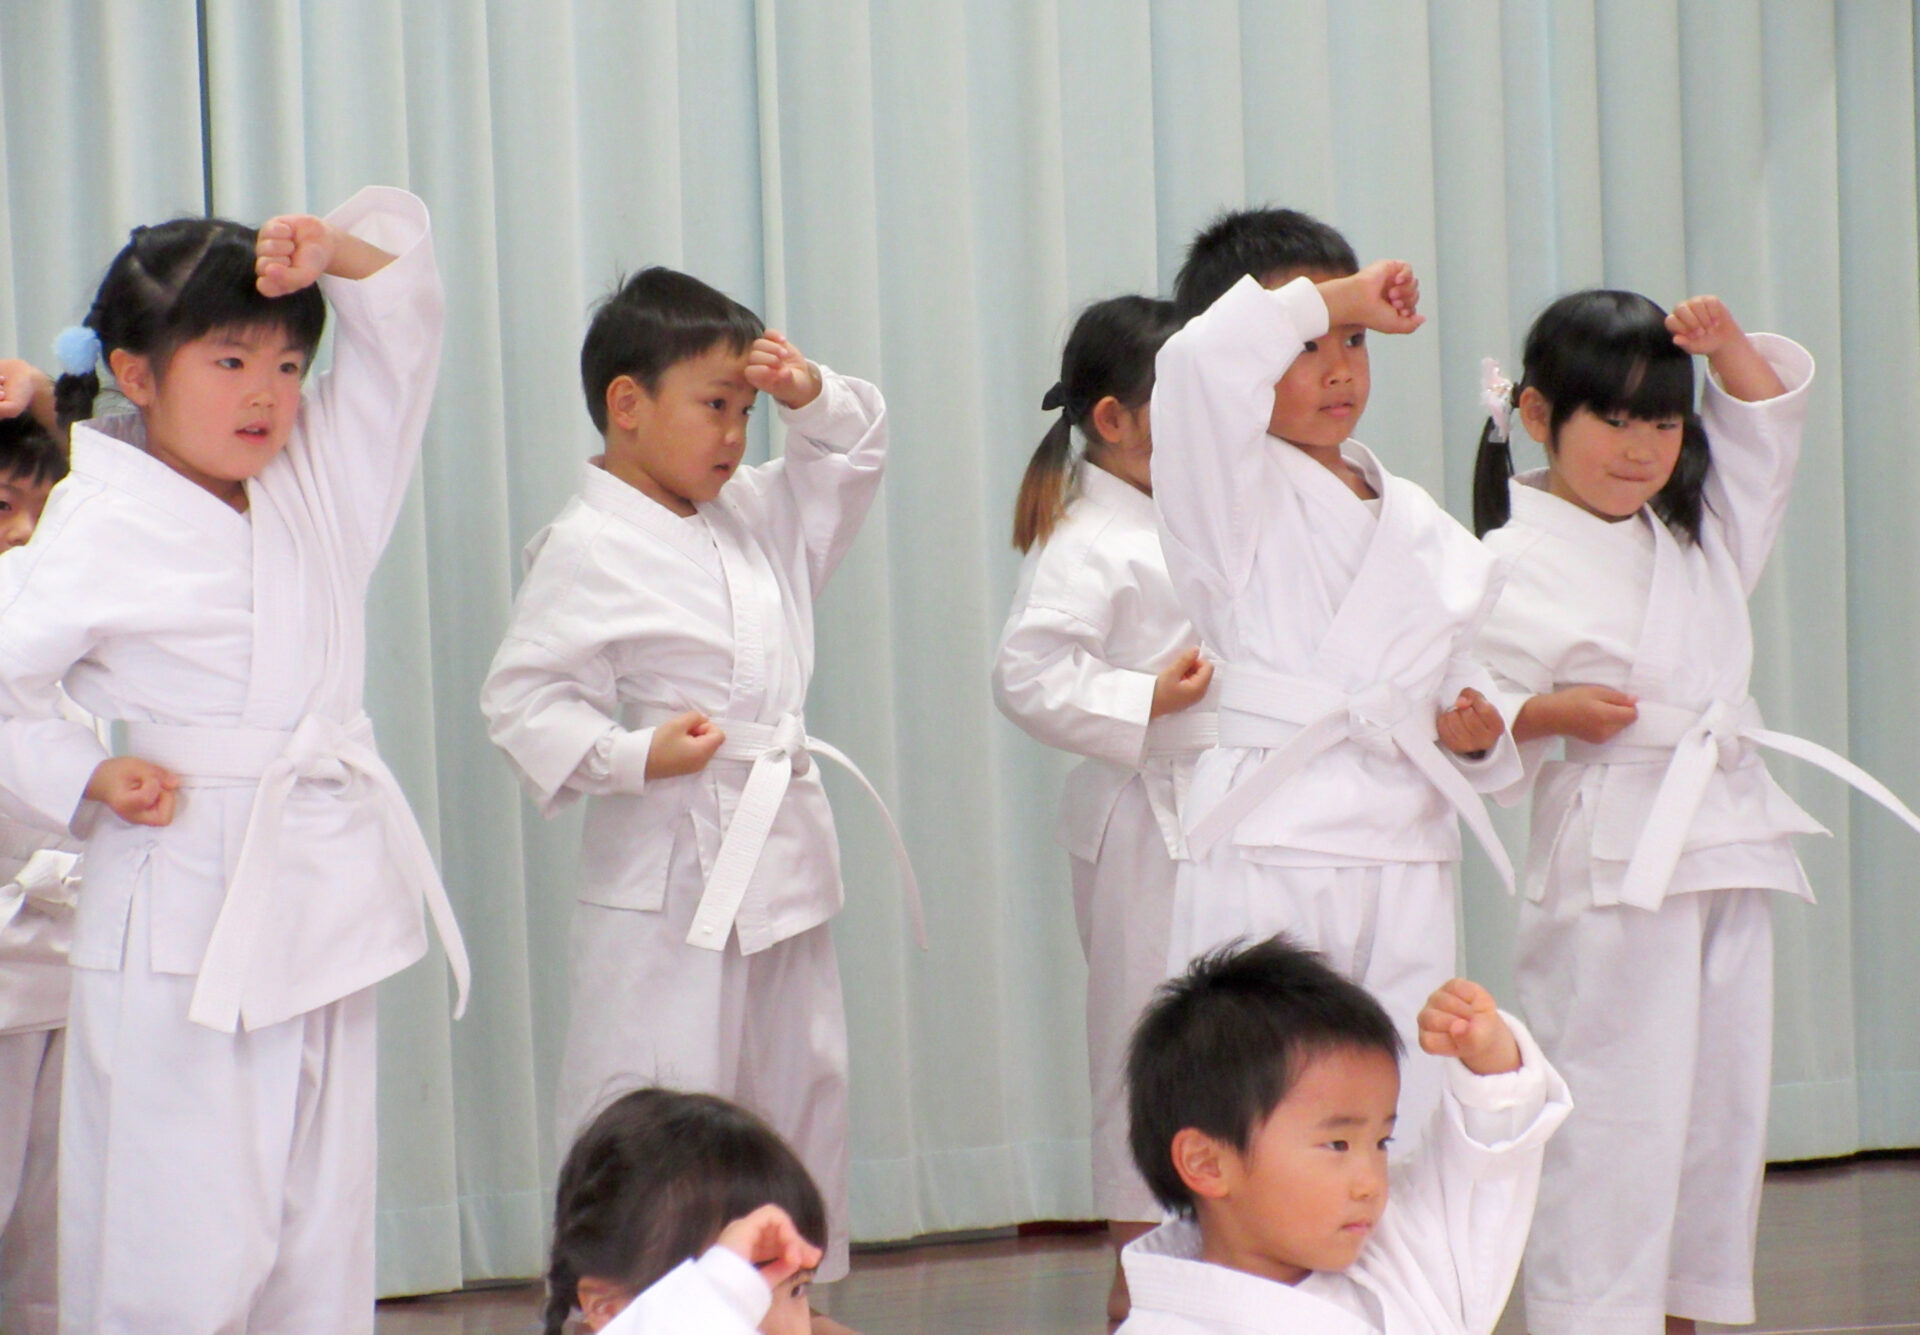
(923, 194)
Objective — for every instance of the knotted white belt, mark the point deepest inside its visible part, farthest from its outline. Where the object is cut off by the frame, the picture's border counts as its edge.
(318, 750)
(1299, 718)
(777, 752)
(1186, 733)
(1692, 744)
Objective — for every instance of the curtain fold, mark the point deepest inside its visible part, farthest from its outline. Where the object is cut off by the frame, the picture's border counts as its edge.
(924, 195)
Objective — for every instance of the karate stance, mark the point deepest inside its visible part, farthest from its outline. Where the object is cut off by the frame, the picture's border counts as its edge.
(657, 662)
(1342, 602)
(683, 1214)
(1263, 1086)
(252, 869)
(1645, 958)
(36, 922)
(1097, 659)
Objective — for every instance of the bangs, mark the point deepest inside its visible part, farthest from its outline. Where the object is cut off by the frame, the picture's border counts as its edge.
(221, 295)
(1654, 388)
(29, 453)
(1610, 353)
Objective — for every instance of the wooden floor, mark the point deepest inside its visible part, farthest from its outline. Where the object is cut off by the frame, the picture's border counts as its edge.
(1839, 1252)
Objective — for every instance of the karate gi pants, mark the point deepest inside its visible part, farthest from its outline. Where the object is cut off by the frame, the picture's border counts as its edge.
(30, 1066)
(1662, 1024)
(1389, 927)
(766, 1030)
(210, 1183)
(1124, 907)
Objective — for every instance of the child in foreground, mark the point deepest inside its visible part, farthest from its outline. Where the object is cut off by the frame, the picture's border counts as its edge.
(1262, 1087)
(683, 1213)
(1342, 604)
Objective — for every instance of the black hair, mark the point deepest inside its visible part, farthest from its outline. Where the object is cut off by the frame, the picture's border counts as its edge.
(1109, 353)
(178, 281)
(1261, 242)
(654, 1179)
(1610, 353)
(1222, 1044)
(30, 453)
(651, 321)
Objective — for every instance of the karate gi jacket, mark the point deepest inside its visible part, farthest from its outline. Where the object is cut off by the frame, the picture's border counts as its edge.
(1094, 622)
(1309, 598)
(36, 927)
(1441, 1260)
(1637, 607)
(159, 605)
(630, 614)
(720, 1294)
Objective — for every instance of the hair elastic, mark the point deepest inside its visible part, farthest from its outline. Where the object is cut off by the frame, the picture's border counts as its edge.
(1054, 399)
(1496, 396)
(77, 349)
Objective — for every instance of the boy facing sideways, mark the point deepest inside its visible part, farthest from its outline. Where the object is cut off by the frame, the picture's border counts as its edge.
(1262, 1089)
(657, 663)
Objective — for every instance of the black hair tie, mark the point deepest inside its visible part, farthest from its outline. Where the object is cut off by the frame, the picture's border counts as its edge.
(1054, 399)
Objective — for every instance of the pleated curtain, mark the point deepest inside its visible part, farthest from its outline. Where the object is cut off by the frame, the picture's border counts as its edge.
(923, 193)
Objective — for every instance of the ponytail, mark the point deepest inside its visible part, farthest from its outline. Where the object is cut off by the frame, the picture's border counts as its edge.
(563, 1296)
(1492, 467)
(1043, 490)
(1681, 501)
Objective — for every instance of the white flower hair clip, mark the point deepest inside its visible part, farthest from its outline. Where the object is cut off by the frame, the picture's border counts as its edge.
(1496, 396)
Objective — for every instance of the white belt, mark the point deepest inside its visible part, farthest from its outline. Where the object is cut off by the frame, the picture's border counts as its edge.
(318, 749)
(1186, 733)
(1298, 719)
(777, 752)
(1692, 744)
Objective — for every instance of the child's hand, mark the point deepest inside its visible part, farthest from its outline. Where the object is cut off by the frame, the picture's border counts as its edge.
(1472, 726)
(1703, 326)
(775, 367)
(1182, 684)
(291, 253)
(138, 791)
(768, 1241)
(1460, 1020)
(21, 384)
(682, 745)
(1589, 713)
(1384, 296)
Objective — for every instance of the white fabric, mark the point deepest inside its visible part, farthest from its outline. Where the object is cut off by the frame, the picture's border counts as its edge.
(1662, 1024)
(1441, 1260)
(1635, 607)
(1093, 622)
(720, 1294)
(36, 928)
(157, 603)
(1289, 576)
(30, 1072)
(1388, 927)
(722, 623)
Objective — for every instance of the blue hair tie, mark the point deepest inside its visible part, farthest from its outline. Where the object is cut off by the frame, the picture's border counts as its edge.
(77, 349)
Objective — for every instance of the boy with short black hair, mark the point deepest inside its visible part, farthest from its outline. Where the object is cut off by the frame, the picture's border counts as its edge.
(657, 662)
(1262, 1089)
(1340, 604)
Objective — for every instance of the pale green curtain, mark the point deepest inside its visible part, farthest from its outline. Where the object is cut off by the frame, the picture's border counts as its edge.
(922, 194)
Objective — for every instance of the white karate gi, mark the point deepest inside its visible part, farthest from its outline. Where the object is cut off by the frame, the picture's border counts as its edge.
(720, 1294)
(213, 1179)
(36, 924)
(630, 614)
(1653, 991)
(1093, 622)
(1442, 1258)
(1334, 618)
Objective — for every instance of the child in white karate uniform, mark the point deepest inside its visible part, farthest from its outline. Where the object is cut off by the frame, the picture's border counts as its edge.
(1097, 659)
(657, 662)
(1262, 1087)
(36, 922)
(252, 869)
(683, 1214)
(1645, 941)
(1341, 602)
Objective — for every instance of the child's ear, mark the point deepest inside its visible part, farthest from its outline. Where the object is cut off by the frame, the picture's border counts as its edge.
(132, 376)
(1536, 414)
(1203, 1163)
(1105, 418)
(601, 1300)
(626, 398)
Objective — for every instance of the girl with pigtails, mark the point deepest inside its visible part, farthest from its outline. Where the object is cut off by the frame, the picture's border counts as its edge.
(252, 869)
(1645, 959)
(1097, 659)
